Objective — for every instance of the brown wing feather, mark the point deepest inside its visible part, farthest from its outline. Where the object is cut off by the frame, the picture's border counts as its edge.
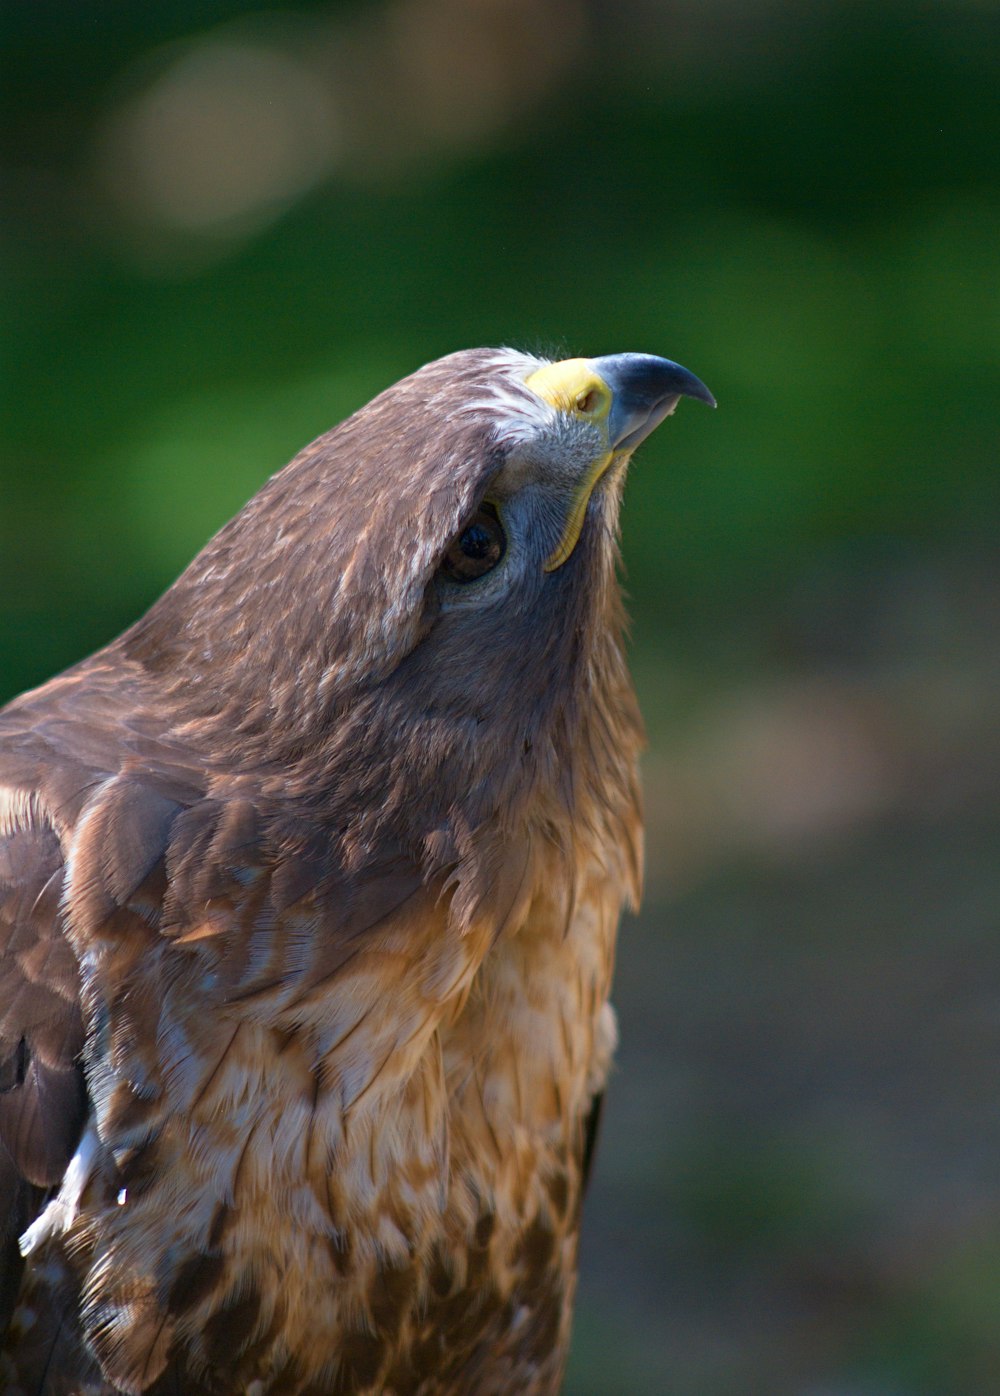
(42, 1095)
(214, 931)
(41, 1030)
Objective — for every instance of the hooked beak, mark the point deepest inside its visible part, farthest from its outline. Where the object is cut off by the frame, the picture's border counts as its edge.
(624, 396)
(644, 390)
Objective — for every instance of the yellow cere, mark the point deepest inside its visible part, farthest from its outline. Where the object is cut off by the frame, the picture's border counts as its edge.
(573, 386)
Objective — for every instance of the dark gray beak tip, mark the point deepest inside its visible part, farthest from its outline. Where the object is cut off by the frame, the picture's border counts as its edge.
(646, 389)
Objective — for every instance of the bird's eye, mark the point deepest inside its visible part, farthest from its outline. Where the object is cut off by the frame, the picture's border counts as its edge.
(478, 548)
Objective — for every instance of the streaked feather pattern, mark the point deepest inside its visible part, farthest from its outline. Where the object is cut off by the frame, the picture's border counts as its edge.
(309, 888)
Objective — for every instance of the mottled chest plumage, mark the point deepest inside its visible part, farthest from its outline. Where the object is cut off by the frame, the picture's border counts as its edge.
(417, 1237)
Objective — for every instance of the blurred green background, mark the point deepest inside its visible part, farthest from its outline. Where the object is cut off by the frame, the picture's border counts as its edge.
(226, 227)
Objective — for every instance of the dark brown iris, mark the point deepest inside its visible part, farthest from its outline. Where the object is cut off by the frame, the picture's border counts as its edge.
(477, 549)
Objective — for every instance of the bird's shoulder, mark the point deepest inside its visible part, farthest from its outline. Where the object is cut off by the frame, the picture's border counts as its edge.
(157, 916)
(62, 766)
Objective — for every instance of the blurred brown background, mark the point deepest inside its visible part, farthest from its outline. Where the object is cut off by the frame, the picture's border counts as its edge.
(228, 226)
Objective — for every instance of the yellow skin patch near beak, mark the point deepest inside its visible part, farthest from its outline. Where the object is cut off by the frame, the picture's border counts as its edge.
(573, 386)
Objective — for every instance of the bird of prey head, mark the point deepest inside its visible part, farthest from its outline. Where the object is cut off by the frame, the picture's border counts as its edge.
(414, 601)
(308, 895)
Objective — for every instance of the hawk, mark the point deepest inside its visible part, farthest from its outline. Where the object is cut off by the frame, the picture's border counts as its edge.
(309, 890)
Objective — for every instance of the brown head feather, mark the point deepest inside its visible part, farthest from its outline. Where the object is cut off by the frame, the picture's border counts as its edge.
(308, 641)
